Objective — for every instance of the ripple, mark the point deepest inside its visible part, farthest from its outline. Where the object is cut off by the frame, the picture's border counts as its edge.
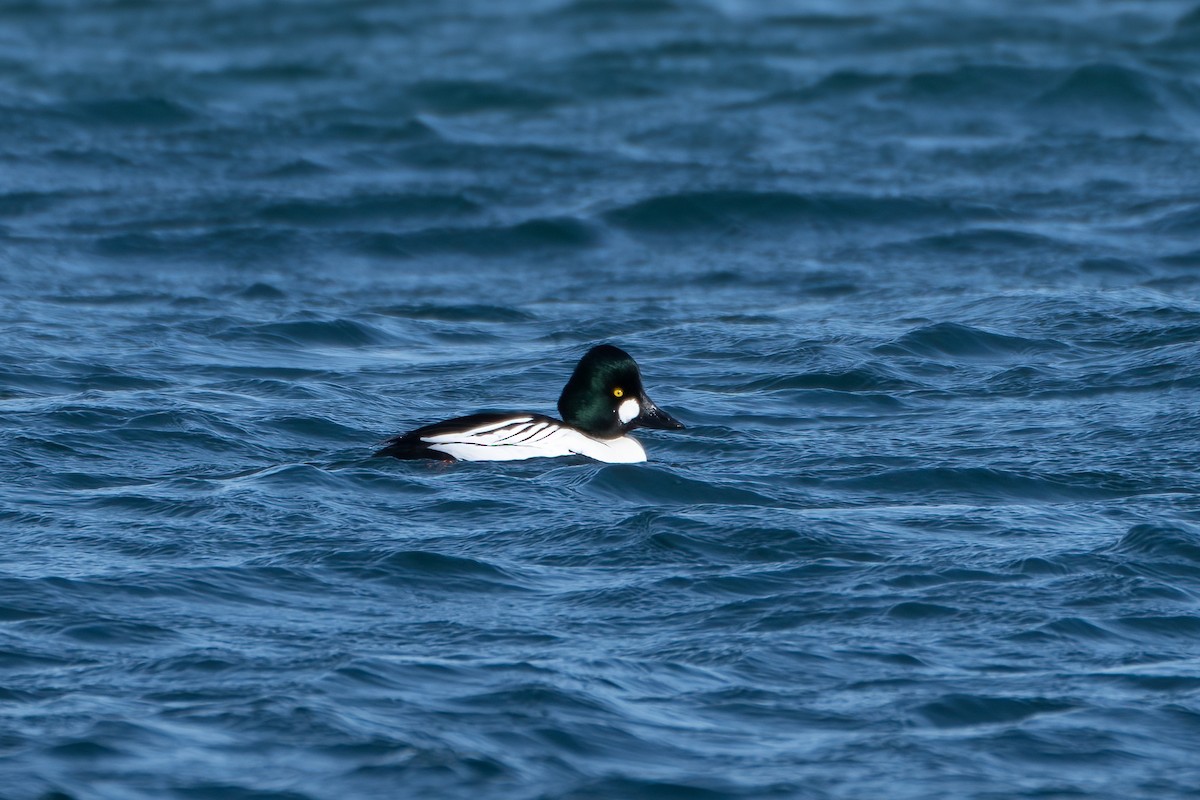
(1080, 629)
(1161, 541)
(913, 610)
(1113, 94)
(119, 633)
(651, 485)
(974, 84)
(424, 568)
(1178, 626)
(262, 291)
(984, 483)
(457, 313)
(407, 131)
(299, 168)
(710, 543)
(964, 341)
(1180, 222)
(989, 241)
(650, 789)
(316, 427)
(21, 203)
(134, 112)
(330, 333)
(956, 710)
(363, 208)
(242, 241)
(530, 236)
(861, 379)
(465, 97)
(838, 86)
(722, 210)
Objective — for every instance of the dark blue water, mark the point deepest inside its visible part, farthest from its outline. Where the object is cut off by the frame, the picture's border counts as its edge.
(922, 279)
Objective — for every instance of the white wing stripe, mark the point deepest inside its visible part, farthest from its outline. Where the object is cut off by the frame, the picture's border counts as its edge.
(544, 435)
(509, 434)
(485, 434)
(493, 426)
(529, 432)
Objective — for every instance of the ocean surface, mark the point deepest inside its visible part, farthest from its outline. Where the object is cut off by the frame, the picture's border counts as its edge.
(922, 279)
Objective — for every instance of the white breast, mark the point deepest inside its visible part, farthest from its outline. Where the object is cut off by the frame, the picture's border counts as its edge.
(519, 438)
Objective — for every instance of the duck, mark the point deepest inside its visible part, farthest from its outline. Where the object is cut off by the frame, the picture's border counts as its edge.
(602, 402)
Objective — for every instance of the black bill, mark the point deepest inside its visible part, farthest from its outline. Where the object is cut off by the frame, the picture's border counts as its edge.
(654, 417)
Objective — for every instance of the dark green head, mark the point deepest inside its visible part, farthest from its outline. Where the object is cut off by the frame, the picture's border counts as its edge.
(605, 398)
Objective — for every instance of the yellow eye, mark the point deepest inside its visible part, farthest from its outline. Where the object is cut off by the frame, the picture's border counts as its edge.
(618, 392)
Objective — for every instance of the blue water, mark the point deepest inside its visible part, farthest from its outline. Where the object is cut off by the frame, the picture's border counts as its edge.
(922, 280)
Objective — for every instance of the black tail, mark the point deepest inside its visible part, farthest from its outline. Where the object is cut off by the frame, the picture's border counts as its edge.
(410, 447)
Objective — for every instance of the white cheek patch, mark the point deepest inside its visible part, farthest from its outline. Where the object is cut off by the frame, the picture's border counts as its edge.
(628, 410)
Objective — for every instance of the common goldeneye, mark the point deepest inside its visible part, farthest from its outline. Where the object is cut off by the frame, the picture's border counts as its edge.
(601, 403)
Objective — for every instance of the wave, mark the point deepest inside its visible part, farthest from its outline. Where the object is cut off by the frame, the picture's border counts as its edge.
(860, 379)
(1184, 33)
(969, 86)
(273, 70)
(1102, 96)
(621, 8)
(986, 483)
(1190, 21)
(1075, 629)
(68, 378)
(651, 485)
(262, 291)
(560, 233)
(315, 428)
(688, 212)
(686, 536)
(456, 313)
(412, 568)
(119, 632)
(1117, 267)
(465, 97)
(23, 203)
(232, 242)
(1182, 222)
(985, 241)
(695, 788)
(977, 84)
(841, 85)
(1159, 540)
(134, 112)
(1180, 627)
(372, 207)
(957, 710)
(297, 168)
(332, 332)
(964, 341)
(378, 132)
(273, 237)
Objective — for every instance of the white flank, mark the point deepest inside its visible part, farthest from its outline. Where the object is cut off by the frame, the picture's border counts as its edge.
(520, 438)
(622, 450)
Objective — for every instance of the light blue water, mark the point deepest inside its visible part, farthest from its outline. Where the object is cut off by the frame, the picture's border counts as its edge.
(921, 280)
